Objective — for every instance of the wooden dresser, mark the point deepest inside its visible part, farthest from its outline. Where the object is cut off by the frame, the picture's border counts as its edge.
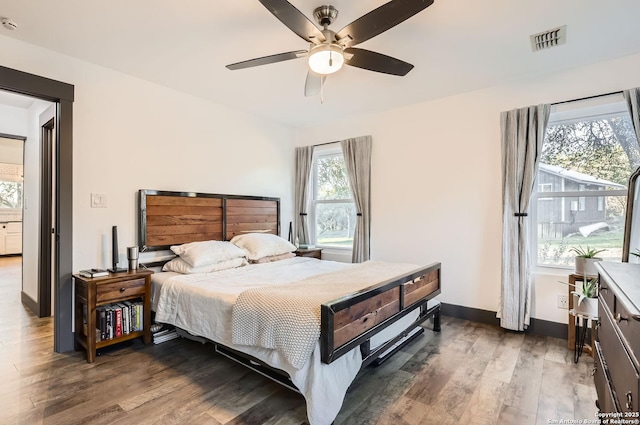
(617, 369)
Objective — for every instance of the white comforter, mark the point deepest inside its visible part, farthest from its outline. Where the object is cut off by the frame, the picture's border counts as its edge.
(202, 304)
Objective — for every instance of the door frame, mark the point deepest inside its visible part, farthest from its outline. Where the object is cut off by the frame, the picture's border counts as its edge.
(62, 238)
(47, 226)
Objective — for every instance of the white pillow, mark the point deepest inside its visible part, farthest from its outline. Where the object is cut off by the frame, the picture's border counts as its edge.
(259, 245)
(205, 253)
(178, 265)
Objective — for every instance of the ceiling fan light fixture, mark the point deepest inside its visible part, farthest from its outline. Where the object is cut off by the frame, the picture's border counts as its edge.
(326, 59)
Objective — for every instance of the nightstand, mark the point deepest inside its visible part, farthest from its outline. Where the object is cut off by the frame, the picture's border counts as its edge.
(309, 252)
(124, 301)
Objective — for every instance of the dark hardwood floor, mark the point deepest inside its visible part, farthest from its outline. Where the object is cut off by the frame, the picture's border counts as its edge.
(470, 373)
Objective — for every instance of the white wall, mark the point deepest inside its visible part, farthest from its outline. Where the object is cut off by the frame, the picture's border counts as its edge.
(436, 189)
(130, 134)
(13, 121)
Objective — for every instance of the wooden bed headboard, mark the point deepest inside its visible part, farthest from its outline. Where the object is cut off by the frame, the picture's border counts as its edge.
(172, 218)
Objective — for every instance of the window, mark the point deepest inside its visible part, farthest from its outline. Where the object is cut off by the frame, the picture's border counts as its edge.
(545, 187)
(332, 213)
(588, 154)
(10, 186)
(10, 195)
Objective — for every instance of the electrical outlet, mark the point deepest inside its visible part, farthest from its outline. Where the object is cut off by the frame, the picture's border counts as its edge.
(563, 301)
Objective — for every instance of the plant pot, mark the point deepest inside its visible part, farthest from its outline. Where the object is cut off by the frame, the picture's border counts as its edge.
(588, 306)
(587, 266)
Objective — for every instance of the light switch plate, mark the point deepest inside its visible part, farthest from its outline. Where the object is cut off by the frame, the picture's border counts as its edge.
(98, 200)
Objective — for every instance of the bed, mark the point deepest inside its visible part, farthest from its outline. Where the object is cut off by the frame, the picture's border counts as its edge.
(366, 311)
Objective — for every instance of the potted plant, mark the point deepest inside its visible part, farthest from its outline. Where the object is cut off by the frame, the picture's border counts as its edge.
(586, 260)
(586, 301)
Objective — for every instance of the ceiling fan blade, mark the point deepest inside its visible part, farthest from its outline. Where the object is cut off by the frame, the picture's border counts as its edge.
(379, 20)
(372, 61)
(295, 20)
(313, 84)
(265, 60)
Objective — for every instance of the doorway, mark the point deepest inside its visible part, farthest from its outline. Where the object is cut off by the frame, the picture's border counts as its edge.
(60, 234)
(23, 169)
(11, 213)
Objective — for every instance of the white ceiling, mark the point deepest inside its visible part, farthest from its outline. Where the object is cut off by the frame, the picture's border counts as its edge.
(16, 100)
(455, 45)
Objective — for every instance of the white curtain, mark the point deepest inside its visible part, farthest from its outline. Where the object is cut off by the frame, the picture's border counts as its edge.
(357, 159)
(304, 156)
(632, 96)
(523, 132)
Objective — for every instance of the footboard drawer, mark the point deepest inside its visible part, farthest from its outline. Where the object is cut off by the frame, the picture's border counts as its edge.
(352, 320)
(360, 317)
(421, 288)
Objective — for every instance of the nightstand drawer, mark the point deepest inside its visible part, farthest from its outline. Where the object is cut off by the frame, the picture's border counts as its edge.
(119, 290)
(309, 252)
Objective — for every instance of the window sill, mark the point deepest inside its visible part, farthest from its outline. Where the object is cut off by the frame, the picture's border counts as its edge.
(553, 270)
(334, 248)
(341, 254)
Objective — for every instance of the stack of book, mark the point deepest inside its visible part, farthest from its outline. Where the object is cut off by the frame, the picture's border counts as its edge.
(93, 272)
(164, 335)
(118, 319)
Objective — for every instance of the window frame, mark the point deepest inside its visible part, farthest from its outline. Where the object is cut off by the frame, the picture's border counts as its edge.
(319, 153)
(566, 113)
(533, 207)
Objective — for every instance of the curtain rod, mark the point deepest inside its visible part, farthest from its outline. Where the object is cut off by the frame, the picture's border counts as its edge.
(327, 143)
(587, 97)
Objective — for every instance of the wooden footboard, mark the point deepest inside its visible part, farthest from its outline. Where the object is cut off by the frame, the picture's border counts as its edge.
(351, 321)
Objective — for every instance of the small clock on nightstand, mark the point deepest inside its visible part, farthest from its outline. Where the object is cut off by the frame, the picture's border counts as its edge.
(309, 252)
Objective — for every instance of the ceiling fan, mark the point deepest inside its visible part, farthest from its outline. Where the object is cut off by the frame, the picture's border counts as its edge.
(330, 50)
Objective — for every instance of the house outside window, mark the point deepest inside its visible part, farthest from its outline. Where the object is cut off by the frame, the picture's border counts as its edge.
(332, 213)
(588, 155)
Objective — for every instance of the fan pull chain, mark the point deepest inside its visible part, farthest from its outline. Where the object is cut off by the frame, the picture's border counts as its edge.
(322, 91)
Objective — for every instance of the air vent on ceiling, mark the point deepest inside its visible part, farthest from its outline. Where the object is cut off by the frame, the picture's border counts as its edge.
(548, 39)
